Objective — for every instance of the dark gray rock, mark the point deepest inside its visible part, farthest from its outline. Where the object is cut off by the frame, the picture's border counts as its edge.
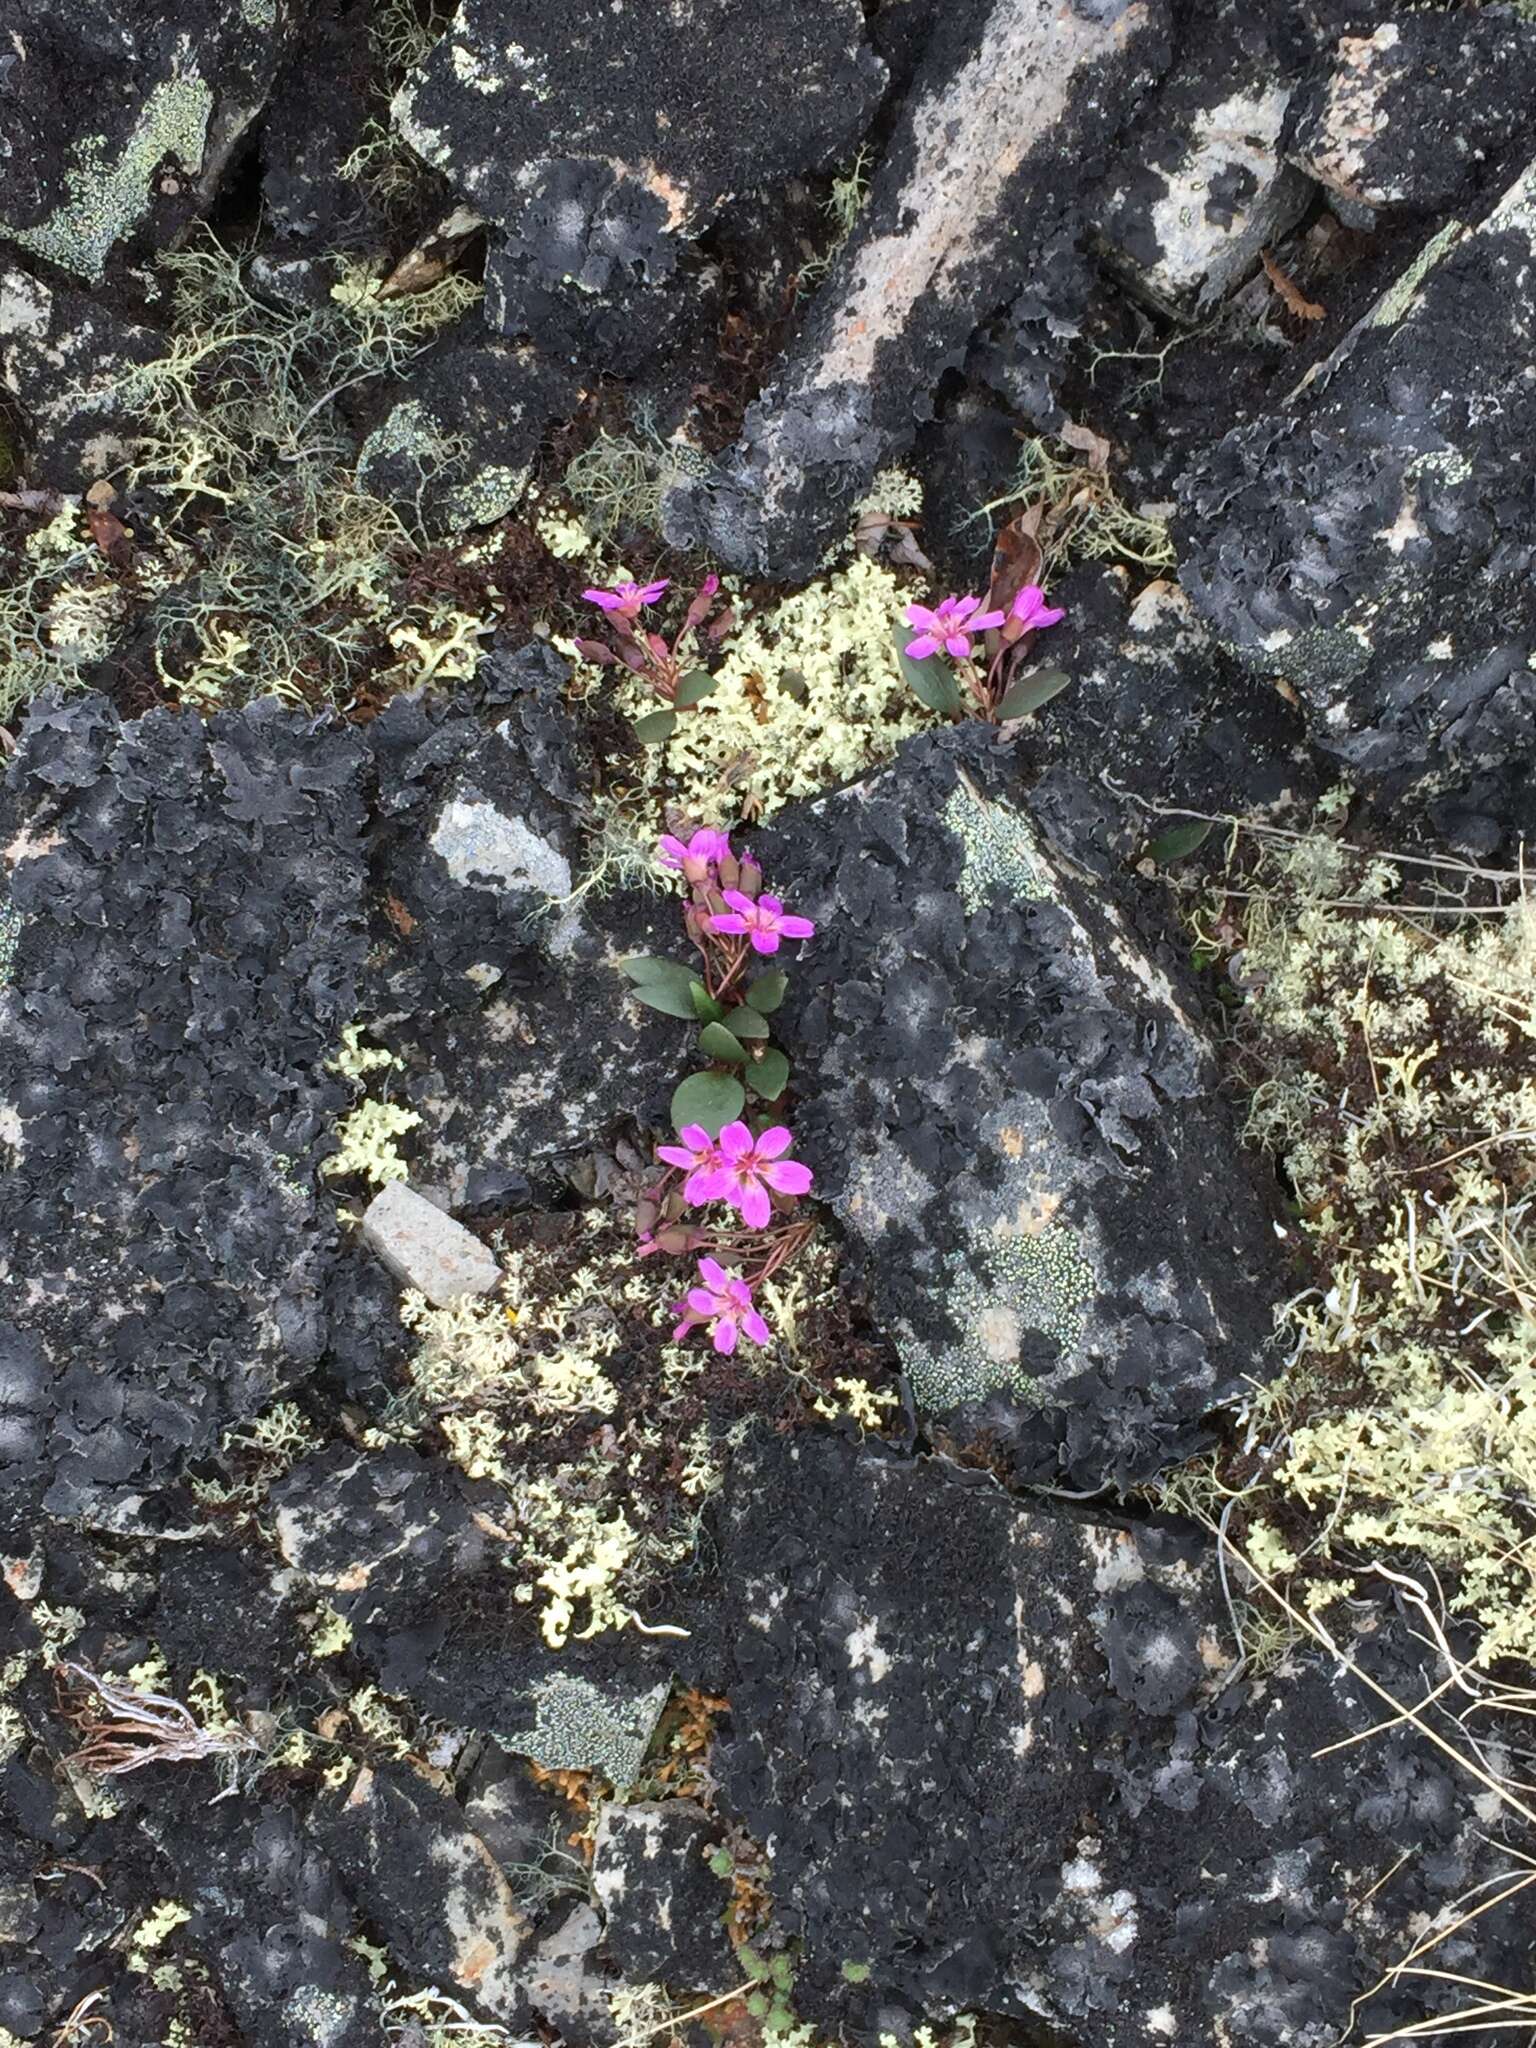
(117, 121)
(1202, 186)
(1410, 116)
(1009, 1105)
(429, 1884)
(1008, 1763)
(566, 1983)
(663, 1906)
(601, 151)
(63, 356)
(1009, 120)
(1371, 542)
(190, 896)
(320, 108)
(480, 849)
(456, 448)
(270, 1914)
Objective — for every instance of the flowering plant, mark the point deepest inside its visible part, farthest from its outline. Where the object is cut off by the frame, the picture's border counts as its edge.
(996, 679)
(721, 1161)
(661, 663)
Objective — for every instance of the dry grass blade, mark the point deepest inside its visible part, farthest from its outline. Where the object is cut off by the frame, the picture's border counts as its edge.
(125, 1729)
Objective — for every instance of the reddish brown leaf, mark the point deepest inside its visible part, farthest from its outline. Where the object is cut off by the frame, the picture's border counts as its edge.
(1295, 302)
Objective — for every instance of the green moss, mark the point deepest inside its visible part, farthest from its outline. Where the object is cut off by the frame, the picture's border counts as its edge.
(107, 197)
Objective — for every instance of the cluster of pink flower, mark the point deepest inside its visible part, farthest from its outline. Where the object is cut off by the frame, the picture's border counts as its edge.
(747, 1171)
(658, 662)
(993, 676)
(952, 622)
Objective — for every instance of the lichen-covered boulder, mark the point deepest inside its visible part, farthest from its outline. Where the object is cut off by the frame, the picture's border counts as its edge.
(663, 1905)
(442, 1902)
(186, 899)
(1011, 1109)
(1407, 117)
(1011, 115)
(1371, 542)
(602, 149)
(118, 122)
(518, 1023)
(456, 447)
(63, 358)
(1201, 185)
(1011, 1763)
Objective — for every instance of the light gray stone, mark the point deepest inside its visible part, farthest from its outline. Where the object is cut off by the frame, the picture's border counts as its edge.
(425, 1249)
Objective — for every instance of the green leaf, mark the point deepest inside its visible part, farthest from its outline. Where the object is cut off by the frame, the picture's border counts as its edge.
(719, 1044)
(655, 727)
(708, 1099)
(767, 1077)
(792, 682)
(746, 1022)
(667, 986)
(767, 992)
(1179, 840)
(752, 1962)
(693, 688)
(704, 1004)
(757, 2005)
(1028, 693)
(648, 967)
(929, 679)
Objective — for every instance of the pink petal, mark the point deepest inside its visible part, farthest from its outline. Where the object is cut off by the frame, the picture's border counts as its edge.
(739, 901)
(771, 904)
(603, 598)
(764, 941)
(735, 1141)
(725, 1335)
(797, 928)
(986, 621)
(775, 1142)
(727, 921)
(958, 646)
(754, 1204)
(676, 1155)
(702, 1302)
(709, 1184)
(1050, 615)
(924, 645)
(740, 1293)
(790, 1177)
(696, 1136)
(716, 1275)
(754, 1326)
(649, 593)
(683, 1327)
(915, 615)
(963, 607)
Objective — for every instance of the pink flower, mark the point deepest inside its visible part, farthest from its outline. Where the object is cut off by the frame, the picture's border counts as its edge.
(702, 851)
(950, 627)
(699, 1157)
(724, 1306)
(749, 1168)
(627, 599)
(764, 919)
(1031, 610)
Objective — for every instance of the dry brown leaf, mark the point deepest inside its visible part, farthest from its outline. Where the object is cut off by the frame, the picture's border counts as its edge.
(1295, 301)
(1088, 443)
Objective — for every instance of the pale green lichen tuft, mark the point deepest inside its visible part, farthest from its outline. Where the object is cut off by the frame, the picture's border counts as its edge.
(107, 198)
(997, 1294)
(809, 695)
(1000, 848)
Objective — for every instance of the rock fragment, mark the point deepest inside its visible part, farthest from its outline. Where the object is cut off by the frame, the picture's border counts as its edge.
(1371, 542)
(1009, 1763)
(1011, 1108)
(425, 1249)
(663, 1906)
(404, 1852)
(64, 356)
(1407, 117)
(118, 123)
(1012, 113)
(601, 153)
